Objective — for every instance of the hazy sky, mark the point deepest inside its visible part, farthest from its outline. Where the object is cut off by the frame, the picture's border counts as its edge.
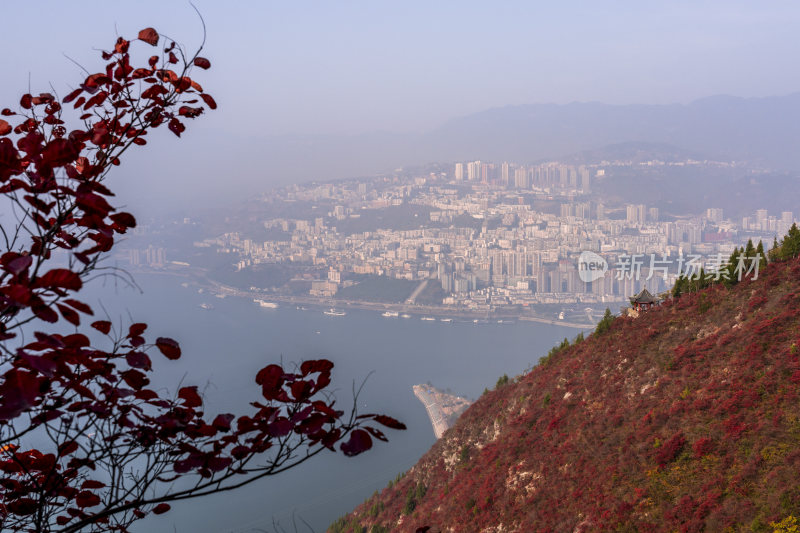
(355, 67)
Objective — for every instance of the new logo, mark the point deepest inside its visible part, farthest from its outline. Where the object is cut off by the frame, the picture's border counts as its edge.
(591, 266)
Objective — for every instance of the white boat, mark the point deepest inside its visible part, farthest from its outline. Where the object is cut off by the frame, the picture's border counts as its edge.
(428, 318)
(561, 315)
(405, 315)
(390, 314)
(206, 306)
(263, 303)
(446, 319)
(334, 312)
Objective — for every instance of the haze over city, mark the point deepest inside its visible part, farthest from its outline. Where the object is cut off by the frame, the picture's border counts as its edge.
(338, 90)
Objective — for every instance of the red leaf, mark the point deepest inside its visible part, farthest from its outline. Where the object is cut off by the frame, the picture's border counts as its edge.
(26, 101)
(168, 347)
(389, 422)
(71, 96)
(42, 365)
(138, 360)
(122, 46)
(202, 62)
(150, 36)
(69, 315)
(18, 264)
(87, 499)
(176, 127)
(190, 397)
(172, 58)
(281, 427)
(189, 112)
(209, 100)
(134, 378)
(80, 306)
(103, 326)
(182, 84)
(5, 127)
(23, 506)
(271, 380)
(67, 448)
(92, 484)
(301, 390)
(223, 422)
(378, 434)
(359, 441)
(62, 278)
(45, 313)
(59, 152)
(136, 329)
(10, 164)
(319, 365)
(93, 81)
(124, 220)
(240, 452)
(161, 508)
(217, 464)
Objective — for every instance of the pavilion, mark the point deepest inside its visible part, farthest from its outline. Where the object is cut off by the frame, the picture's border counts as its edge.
(643, 301)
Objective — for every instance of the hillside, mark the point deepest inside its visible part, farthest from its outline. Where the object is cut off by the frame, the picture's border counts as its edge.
(684, 419)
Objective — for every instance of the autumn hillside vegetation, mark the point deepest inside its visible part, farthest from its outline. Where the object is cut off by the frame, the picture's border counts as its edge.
(686, 418)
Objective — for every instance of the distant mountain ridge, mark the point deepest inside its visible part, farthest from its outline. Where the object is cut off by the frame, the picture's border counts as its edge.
(683, 419)
(764, 131)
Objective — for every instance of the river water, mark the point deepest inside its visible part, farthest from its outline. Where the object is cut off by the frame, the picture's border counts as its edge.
(226, 345)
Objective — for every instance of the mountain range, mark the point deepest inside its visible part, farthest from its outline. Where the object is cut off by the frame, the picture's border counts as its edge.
(762, 131)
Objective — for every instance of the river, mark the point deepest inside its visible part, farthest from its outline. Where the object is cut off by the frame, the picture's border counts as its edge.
(226, 345)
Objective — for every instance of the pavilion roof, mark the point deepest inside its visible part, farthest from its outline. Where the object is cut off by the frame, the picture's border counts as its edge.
(644, 297)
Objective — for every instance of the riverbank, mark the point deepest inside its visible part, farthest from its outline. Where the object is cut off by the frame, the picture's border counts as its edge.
(200, 277)
(434, 311)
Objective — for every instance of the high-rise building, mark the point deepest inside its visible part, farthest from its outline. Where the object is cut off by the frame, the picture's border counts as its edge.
(473, 170)
(521, 178)
(459, 172)
(714, 214)
(563, 176)
(585, 179)
(761, 219)
(787, 217)
(485, 171)
(504, 174)
(632, 214)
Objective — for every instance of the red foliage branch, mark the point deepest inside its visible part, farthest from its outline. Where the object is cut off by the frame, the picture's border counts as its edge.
(84, 441)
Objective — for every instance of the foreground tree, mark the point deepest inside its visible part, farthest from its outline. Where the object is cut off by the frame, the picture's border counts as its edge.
(84, 442)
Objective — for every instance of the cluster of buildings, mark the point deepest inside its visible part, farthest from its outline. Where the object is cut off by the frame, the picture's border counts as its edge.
(547, 176)
(515, 253)
(154, 257)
